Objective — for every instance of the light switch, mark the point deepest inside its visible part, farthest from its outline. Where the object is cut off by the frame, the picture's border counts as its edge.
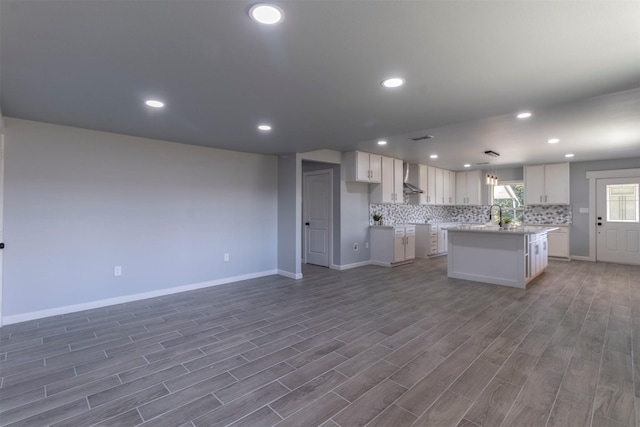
(584, 210)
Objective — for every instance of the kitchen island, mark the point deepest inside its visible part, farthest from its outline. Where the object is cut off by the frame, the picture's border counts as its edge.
(492, 255)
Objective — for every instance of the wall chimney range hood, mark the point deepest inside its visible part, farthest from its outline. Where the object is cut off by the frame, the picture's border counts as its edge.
(407, 187)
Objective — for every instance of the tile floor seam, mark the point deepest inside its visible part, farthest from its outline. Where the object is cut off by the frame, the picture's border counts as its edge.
(555, 399)
(595, 394)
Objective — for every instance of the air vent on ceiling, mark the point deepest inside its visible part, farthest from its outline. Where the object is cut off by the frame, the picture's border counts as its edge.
(492, 153)
(483, 163)
(420, 138)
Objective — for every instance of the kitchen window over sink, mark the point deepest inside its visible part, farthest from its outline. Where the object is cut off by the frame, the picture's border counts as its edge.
(510, 197)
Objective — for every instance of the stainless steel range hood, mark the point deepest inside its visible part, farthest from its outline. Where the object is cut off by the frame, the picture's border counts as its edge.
(408, 187)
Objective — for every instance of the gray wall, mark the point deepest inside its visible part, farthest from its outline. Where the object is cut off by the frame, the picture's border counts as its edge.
(308, 166)
(79, 202)
(289, 213)
(580, 198)
(354, 222)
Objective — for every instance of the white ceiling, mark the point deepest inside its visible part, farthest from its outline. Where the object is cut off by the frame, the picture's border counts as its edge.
(469, 67)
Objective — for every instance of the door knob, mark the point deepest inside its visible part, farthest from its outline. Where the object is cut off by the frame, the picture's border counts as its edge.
(306, 223)
(2, 245)
(599, 223)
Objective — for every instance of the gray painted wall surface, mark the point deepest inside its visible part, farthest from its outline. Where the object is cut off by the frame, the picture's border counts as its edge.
(308, 166)
(580, 198)
(289, 213)
(354, 223)
(79, 202)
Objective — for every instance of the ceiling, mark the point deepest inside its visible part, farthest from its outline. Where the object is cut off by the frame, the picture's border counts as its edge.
(469, 67)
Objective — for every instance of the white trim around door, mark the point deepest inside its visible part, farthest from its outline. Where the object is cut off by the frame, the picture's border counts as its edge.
(593, 176)
(305, 215)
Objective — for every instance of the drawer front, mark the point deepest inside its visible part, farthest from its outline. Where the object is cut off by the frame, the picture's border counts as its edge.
(399, 231)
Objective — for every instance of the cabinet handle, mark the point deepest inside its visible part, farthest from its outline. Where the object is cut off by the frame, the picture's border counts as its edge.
(540, 199)
(545, 198)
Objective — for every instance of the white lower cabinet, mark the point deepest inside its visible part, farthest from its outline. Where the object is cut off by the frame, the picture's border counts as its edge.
(559, 242)
(431, 240)
(391, 245)
(536, 260)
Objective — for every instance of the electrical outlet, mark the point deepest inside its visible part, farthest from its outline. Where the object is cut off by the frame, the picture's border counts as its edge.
(355, 247)
(366, 245)
(117, 270)
(226, 257)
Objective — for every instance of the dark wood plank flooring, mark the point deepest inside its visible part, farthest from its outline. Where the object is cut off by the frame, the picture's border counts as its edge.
(369, 346)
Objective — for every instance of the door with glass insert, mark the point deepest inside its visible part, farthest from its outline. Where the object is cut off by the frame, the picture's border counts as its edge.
(618, 220)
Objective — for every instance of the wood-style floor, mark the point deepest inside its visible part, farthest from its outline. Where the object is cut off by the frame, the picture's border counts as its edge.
(370, 346)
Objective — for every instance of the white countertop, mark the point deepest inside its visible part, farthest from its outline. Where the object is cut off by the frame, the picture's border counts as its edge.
(527, 229)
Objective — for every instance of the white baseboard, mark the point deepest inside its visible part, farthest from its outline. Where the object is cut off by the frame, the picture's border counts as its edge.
(349, 266)
(17, 318)
(290, 275)
(581, 258)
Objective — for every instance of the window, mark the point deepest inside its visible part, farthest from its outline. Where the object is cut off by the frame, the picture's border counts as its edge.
(622, 203)
(510, 197)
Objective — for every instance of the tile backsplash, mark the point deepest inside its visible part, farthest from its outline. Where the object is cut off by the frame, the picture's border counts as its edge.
(407, 213)
(548, 214)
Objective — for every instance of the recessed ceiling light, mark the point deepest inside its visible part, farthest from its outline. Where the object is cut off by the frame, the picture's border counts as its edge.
(393, 82)
(553, 141)
(569, 155)
(524, 115)
(467, 165)
(154, 103)
(264, 127)
(266, 13)
(434, 156)
(382, 142)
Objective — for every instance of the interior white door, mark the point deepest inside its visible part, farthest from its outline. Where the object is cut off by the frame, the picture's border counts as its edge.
(317, 216)
(618, 222)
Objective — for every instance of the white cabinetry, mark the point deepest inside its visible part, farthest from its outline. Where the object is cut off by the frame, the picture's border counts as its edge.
(468, 187)
(431, 240)
(442, 239)
(392, 245)
(425, 178)
(439, 185)
(390, 189)
(362, 167)
(448, 187)
(559, 242)
(537, 255)
(546, 184)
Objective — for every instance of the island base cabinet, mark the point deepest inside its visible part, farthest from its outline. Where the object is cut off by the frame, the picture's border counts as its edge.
(502, 258)
(537, 258)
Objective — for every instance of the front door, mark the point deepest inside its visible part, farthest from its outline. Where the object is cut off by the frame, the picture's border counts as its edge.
(317, 216)
(618, 222)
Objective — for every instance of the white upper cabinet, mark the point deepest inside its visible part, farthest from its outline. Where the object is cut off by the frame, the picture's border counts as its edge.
(452, 188)
(468, 187)
(547, 184)
(390, 188)
(439, 185)
(425, 178)
(363, 167)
